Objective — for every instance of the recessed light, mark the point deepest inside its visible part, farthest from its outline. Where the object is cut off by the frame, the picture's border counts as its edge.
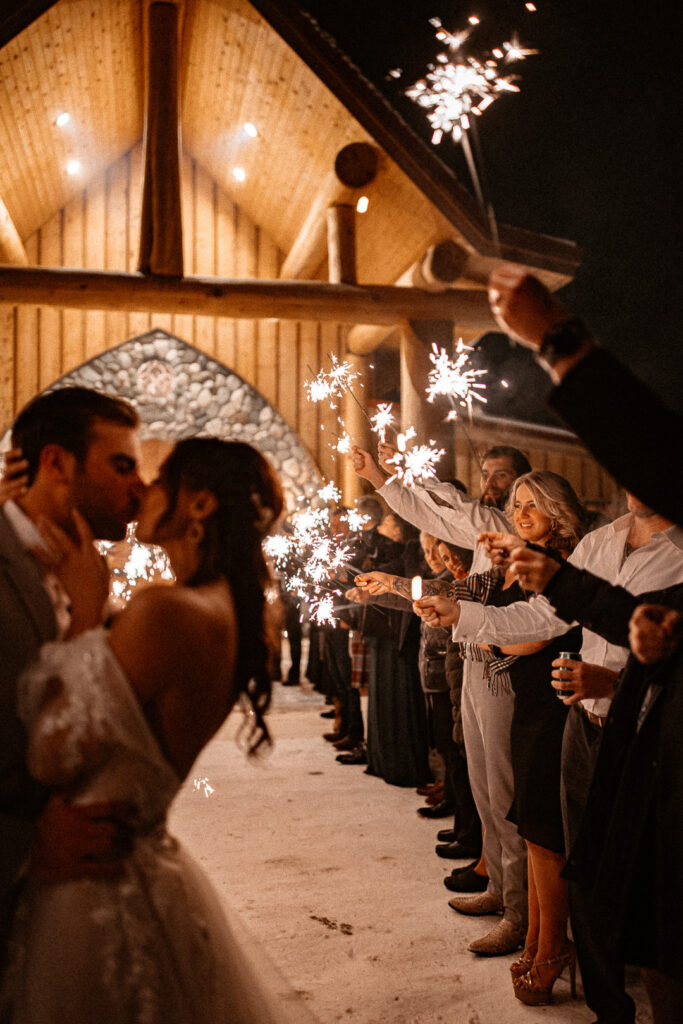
(250, 129)
(62, 119)
(362, 204)
(239, 174)
(73, 167)
(474, 20)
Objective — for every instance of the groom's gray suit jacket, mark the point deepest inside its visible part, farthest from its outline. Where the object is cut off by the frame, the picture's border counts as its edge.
(27, 621)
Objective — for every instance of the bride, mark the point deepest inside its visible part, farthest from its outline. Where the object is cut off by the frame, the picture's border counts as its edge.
(121, 715)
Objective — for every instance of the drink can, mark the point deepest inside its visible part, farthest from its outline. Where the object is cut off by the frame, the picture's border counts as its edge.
(571, 656)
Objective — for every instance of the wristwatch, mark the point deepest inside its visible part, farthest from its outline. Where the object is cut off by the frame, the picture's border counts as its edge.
(561, 340)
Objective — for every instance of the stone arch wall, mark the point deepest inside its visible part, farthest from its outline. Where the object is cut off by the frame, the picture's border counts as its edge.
(180, 392)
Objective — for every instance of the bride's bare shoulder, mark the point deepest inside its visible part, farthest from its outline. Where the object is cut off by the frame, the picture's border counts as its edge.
(174, 630)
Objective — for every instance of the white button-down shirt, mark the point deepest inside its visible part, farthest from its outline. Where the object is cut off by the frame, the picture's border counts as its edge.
(656, 565)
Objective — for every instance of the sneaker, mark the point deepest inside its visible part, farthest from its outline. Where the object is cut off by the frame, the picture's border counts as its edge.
(506, 937)
(482, 903)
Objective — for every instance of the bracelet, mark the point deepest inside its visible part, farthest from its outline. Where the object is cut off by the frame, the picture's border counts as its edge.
(561, 340)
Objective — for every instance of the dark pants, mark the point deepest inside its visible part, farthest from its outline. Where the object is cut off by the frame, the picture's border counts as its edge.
(338, 674)
(293, 627)
(602, 966)
(466, 823)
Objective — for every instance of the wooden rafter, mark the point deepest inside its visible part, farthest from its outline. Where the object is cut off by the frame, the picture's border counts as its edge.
(11, 247)
(161, 230)
(242, 299)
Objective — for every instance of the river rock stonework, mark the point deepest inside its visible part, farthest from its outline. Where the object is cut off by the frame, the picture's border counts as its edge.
(180, 392)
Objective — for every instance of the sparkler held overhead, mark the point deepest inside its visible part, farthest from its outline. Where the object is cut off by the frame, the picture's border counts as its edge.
(451, 378)
(455, 88)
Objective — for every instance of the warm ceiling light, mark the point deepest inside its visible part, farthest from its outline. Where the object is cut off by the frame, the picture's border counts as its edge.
(62, 119)
(362, 204)
(239, 174)
(250, 129)
(474, 20)
(73, 167)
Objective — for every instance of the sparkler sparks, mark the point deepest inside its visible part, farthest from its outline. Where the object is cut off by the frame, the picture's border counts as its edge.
(332, 384)
(202, 785)
(456, 88)
(382, 420)
(414, 464)
(452, 378)
(356, 520)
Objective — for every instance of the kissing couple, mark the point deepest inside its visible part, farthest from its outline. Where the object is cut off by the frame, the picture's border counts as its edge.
(106, 918)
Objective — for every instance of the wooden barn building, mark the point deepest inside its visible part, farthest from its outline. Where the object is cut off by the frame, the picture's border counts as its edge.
(180, 221)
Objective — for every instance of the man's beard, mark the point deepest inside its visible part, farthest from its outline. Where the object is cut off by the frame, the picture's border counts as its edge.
(493, 501)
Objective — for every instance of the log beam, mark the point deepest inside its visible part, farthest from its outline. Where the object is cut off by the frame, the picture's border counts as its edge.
(438, 270)
(241, 299)
(161, 231)
(11, 246)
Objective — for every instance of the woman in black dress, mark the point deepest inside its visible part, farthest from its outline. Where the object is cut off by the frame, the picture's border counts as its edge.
(544, 510)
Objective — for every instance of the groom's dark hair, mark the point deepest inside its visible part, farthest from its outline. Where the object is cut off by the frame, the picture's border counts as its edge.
(66, 417)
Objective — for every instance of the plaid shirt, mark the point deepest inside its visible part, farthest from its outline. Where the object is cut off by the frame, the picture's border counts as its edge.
(479, 587)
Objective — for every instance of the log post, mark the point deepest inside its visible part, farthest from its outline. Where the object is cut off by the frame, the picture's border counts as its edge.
(355, 166)
(357, 427)
(341, 243)
(416, 411)
(161, 231)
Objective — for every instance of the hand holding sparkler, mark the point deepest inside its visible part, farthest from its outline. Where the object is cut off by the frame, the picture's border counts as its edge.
(375, 582)
(365, 466)
(385, 452)
(499, 546)
(358, 595)
(437, 611)
(522, 306)
(533, 569)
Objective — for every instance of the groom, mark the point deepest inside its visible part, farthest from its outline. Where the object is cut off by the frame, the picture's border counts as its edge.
(81, 453)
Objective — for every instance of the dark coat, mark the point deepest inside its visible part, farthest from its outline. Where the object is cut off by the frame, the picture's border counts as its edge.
(627, 428)
(629, 852)
(27, 621)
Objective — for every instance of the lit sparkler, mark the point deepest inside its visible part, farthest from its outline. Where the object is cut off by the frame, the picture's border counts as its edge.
(382, 420)
(414, 464)
(332, 384)
(455, 88)
(454, 379)
(356, 520)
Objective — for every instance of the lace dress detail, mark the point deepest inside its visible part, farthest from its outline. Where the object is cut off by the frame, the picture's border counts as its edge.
(153, 946)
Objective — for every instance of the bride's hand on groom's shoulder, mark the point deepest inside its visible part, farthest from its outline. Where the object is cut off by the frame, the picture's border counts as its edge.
(80, 568)
(84, 841)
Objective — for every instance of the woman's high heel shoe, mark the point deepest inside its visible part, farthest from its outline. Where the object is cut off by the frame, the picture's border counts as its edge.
(529, 987)
(523, 963)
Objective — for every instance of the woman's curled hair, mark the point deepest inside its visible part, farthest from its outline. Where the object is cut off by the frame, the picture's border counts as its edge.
(250, 501)
(555, 498)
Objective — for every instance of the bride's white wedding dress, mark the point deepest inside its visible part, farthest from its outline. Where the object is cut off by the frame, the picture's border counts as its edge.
(153, 946)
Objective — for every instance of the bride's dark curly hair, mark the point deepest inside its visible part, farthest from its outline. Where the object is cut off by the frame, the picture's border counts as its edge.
(250, 501)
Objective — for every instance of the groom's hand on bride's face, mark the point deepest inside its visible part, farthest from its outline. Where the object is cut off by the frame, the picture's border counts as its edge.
(81, 841)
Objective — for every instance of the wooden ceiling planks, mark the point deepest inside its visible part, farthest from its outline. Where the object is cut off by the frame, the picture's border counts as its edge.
(81, 57)
(85, 56)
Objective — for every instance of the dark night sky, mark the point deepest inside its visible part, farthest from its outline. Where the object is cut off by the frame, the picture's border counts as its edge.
(588, 150)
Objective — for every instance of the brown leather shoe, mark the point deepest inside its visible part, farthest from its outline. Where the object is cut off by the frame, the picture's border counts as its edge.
(345, 743)
(482, 903)
(506, 937)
